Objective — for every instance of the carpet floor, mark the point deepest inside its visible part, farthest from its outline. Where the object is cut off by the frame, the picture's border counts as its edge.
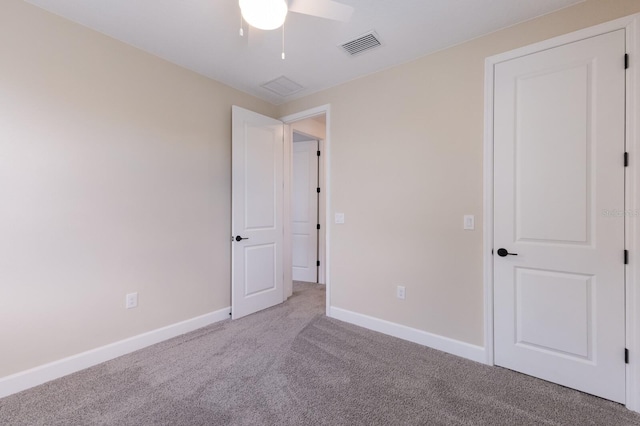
(291, 365)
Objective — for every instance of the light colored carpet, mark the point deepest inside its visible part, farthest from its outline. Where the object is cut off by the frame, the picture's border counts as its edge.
(291, 365)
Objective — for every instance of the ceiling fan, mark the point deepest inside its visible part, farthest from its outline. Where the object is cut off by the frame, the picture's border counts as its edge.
(271, 14)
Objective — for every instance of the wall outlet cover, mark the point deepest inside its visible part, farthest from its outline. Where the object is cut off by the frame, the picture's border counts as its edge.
(131, 300)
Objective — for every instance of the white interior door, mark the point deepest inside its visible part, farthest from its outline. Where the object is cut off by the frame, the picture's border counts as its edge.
(305, 211)
(559, 142)
(257, 209)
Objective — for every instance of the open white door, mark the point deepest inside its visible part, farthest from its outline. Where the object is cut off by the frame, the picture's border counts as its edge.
(305, 219)
(559, 225)
(257, 212)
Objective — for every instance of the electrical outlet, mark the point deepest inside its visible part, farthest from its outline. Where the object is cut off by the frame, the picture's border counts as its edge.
(400, 292)
(131, 300)
(339, 218)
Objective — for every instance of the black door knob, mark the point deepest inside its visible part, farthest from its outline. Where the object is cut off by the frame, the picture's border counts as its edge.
(504, 253)
(239, 238)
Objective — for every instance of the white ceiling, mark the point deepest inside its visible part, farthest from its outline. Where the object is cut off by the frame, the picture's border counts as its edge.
(203, 35)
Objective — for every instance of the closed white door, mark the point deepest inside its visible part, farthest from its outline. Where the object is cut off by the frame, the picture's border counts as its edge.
(257, 207)
(304, 198)
(559, 142)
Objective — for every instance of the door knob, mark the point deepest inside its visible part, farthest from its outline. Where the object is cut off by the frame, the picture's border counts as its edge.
(239, 238)
(504, 253)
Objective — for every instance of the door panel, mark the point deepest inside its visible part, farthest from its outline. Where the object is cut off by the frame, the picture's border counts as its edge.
(305, 211)
(260, 275)
(257, 208)
(261, 151)
(562, 188)
(548, 300)
(558, 145)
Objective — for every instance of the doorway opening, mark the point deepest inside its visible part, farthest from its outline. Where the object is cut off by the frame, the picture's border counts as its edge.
(314, 123)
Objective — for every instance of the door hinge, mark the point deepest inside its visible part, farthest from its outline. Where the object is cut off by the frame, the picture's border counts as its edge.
(318, 190)
(317, 263)
(626, 61)
(318, 153)
(626, 356)
(626, 257)
(626, 159)
(318, 226)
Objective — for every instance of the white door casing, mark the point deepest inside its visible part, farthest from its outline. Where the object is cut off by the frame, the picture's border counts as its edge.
(257, 212)
(305, 211)
(559, 137)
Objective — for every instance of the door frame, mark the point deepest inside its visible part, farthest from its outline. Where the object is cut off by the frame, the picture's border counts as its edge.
(325, 185)
(632, 189)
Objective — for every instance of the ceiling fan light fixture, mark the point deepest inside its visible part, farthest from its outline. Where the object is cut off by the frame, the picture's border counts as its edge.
(264, 14)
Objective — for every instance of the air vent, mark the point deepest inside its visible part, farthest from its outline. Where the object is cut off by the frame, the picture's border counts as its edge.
(362, 44)
(283, 86)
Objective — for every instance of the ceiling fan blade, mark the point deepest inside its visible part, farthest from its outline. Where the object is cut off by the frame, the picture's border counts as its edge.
(327, 9)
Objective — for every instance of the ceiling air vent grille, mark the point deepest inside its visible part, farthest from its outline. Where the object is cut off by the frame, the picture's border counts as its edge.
(362, 44)
(283, 86)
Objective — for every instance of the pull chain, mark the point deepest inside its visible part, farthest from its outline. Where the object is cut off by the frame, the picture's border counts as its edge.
(283, 55)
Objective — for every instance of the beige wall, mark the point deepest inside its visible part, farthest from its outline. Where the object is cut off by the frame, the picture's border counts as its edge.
(114, 178)
(406, 165)
(313, 127)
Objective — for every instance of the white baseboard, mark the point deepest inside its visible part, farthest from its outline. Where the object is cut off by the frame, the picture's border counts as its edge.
(444, 344)
(47, 372)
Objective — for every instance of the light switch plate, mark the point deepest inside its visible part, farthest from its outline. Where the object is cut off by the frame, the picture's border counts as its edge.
(469, 222)
(339, 217)
(131, 300)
